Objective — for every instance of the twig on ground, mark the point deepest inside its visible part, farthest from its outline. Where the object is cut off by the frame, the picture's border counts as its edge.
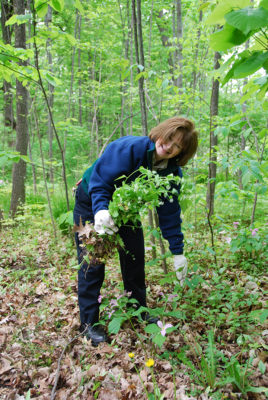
(53, 393)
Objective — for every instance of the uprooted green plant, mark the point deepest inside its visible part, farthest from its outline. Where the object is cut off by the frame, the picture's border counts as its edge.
(129, 201)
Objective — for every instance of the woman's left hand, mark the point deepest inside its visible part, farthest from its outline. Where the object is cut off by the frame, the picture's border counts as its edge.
(181, 267)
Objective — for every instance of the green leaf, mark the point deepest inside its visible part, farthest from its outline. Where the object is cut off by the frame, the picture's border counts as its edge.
(226, 38)
(25, 158)
(42, 10)
(79, 7)
(217, 15)
(176, 314)
(262, 367)
(263, 316)
(115, 324)
(152, 328)
(265, 105)
(262, 92)
(159, 340)
(249, 93)
(50, 78)
(18, 19)
(246, 177)
(70, 38)
(248, 19)
(264, 4)
(257, 389)
(58, 5)
(250, 65)
(204, 6)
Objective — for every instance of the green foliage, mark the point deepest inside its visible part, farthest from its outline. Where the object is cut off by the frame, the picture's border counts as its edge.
(238, 376)
(145, 192)
(239, 25)
(205, 366)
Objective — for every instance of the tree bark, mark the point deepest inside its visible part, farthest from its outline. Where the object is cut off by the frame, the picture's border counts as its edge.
(165, 40)
(6, 13)
(125, 49)
(72, 71)
(79, 71)
(178, 53)
(195, 72)
(214, 102)
(137, 25)
(19, 169)
(48, 20)
(44, 172)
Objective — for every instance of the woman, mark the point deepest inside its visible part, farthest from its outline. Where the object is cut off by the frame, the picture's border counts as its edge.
(169, 146)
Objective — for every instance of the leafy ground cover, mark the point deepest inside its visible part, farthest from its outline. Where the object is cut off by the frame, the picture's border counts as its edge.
(211, 344)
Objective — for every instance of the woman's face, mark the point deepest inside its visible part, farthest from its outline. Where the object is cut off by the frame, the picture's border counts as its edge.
(169, 149)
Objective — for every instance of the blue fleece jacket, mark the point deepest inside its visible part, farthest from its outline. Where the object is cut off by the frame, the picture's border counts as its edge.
(123, 157)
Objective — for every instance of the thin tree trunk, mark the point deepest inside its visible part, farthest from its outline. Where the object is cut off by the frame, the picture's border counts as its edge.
(9, 122)
(150, 34)
(214, 101)
(50, 112)
(30, 153)
(165, 41)
(242, 148)
(44, 172)
(152, 237)
(72, 70)
(19, 169)
(195, 74)
(79, 71)
(161, 244)
(137, 24)
(48, 21)
(125, 48)
(179, 56)
(130, 23)
(95, 124)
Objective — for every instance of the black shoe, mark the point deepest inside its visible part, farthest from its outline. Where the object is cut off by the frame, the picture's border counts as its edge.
(149, 319)
(96, 333)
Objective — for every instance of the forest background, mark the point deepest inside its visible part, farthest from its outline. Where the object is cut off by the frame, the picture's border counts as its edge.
(75, 76)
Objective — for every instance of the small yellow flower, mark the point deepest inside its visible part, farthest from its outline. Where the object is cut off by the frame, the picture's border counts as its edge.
(131, 355)
(149, 363)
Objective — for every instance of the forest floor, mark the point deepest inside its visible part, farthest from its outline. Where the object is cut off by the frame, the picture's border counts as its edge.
(41, 344)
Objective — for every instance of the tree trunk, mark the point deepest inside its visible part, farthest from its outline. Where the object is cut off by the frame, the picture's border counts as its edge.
(195, 73)
(79, 71)
(214, 101)
(137, 25)
(178, 53)
(125, 49)
(48, 20)
(19, 169)
(70, 103)
(6, 13)
(44, 172)
(165, 41)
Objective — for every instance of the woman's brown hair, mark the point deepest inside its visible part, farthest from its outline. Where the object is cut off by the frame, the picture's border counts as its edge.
(184, 129)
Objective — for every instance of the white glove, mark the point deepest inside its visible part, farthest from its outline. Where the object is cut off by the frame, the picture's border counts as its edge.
(180, 265)
(104, 223)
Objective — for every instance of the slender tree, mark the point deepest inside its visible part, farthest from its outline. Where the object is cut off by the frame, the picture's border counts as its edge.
(178, 52)
(19, 169)
(6, 13)
(138, 40)
(214, 103)
(48, 20)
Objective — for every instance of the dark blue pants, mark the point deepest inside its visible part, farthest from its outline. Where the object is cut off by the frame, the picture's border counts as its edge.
(90, 277)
